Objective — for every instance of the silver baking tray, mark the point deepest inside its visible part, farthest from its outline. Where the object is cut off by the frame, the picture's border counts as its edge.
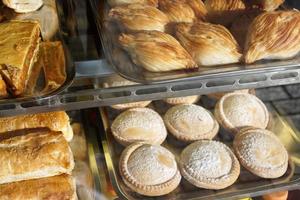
(247, 184)
(122, 64)
(38, 91)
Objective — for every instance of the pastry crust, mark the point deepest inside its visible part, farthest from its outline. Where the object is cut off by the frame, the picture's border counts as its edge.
(219, 95)
(235, 111)
(139, 125)
(56, 187)
(209, 164)
(136, 17)
(166, 170)
(3, 91)
(261, 152)
(35, 155)
(267, 5)
(19, 45)
(189, 122)
(224, 11)
(55, 121)
(23, 6)
(156, 51)
(208, 44)
(182, 100)
(273, 35)
(114, 3)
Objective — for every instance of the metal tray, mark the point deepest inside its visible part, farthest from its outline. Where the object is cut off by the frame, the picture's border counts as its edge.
(124, 66)
(247, 185)
(39, 92)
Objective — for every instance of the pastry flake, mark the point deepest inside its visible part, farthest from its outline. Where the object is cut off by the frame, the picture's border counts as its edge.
(156, 51)
(135, 17)
(114, 3)
(208, 44)
(273, 35)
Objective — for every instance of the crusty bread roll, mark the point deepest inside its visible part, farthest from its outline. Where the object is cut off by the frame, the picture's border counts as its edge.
(55, 121)
(35, 155)
(57, 187)
(23, 6)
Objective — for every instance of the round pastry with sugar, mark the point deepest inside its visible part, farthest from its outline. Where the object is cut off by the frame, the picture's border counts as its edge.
(182, 100)
(139, 125)
(149, 170)
(209, 164)
(189, 122)
(261, 152)
(235, 111)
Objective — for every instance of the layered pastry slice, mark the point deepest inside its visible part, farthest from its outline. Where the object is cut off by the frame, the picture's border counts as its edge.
(135, 17)
(208, 44)
(19, 43)
(114, 3)
(156, 51)
(224, 11)
(273, 35)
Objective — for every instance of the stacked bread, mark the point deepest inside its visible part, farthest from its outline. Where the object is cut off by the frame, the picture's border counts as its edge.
(36, 160)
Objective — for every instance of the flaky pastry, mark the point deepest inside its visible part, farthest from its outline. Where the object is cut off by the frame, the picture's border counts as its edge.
(114, 3)
(135, 17)
(156, 51)
(208, 44)
(268, 5)
(224, 11)
(273, 35)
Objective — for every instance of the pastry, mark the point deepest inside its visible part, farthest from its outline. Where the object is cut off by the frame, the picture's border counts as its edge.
(209, 164)
(19, 45)
(219, 95)
(198, 8)
(149, 169)
(182, 100)
(189, 122)
(114, 3)
(235, 111)
(118, 82)
(156, 51)
(268, 5)
(261, 152)
(3, 91)
(55, 121)
(273, 35)
(35, 155)
(224, 11)
(56, 187)
(23, 6)
(208, 44)
(139, 125)
(136, 17)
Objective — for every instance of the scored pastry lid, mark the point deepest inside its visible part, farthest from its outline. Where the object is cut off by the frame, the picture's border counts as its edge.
(139, 125)
(149, 169)
(182, 100)
(235, 111)
(209, 164)
(261, 152)
(189, 122)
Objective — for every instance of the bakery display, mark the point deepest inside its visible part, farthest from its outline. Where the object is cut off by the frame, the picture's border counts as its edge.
(139, 125)
(149, 169)
(273, 35)
(235, 111)
(156, 51)
(136, 17)
(209, 164)
(34, 155)
(23, 6)
(114, 3)
(190, 122)
(18, 52)
(261, 152)
(182, 100)
(56, 187)
(54, 121)
(208, 44)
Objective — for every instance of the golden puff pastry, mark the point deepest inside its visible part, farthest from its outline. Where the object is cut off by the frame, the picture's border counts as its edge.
(135, 17)
(224, 11)
(273, 35)
(114, 3)
(268, 5)
(208, 44)
(156, 51)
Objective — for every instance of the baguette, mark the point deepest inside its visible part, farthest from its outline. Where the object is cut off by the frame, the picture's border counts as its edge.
(35, 155)
(55, 121)
(57, 187)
